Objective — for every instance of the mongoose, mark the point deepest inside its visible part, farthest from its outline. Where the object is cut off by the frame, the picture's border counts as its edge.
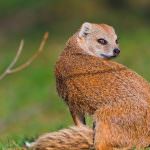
(116, 97)
(74, 138)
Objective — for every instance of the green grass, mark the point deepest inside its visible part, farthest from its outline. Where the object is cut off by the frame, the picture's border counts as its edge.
(29, 102)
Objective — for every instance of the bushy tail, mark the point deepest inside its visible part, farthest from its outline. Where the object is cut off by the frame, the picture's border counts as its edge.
(74, 138)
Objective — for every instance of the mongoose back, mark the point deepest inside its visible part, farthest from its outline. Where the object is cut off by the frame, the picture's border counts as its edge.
(116, 97)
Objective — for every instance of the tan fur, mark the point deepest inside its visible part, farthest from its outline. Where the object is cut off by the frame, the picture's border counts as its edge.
(116, 97)
(74, 138)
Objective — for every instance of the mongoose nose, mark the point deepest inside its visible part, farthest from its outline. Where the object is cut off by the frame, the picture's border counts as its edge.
(116, 51)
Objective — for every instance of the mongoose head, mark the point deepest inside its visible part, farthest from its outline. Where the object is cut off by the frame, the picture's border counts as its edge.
(99, 40)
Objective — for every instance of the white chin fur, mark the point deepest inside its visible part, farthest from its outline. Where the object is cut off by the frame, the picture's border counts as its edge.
(106, 56)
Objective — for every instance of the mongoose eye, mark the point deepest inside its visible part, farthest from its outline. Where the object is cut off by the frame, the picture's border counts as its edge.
(117, 41)
(102, 41)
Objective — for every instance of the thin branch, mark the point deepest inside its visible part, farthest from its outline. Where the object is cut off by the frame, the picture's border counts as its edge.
(11, 70)
(34, 56)
(14, 60)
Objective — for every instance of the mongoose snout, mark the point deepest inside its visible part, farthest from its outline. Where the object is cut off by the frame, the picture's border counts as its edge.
(116, 51)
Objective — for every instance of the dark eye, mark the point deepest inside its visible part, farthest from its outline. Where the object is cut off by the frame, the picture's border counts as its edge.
(117, 41)
(102, 41)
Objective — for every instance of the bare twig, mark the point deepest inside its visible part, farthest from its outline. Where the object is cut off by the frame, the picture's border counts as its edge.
(8, 69)
(11, 70)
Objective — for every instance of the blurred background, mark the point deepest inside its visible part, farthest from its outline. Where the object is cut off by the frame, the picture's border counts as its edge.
(29, 104)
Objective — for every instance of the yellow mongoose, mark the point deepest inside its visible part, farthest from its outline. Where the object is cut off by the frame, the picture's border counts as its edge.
(116, 97)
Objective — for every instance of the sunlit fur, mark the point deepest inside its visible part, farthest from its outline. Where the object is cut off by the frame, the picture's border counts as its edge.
(116, 97)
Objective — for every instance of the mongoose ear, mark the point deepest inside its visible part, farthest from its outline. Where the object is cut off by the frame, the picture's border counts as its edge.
(85, 29)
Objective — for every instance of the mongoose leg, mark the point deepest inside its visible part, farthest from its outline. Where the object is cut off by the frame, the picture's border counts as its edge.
(94, 125)
(78, 118)
(102, 146)
(101, 134)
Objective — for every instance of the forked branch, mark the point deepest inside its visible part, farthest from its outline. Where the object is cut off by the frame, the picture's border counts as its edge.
(11, 70)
